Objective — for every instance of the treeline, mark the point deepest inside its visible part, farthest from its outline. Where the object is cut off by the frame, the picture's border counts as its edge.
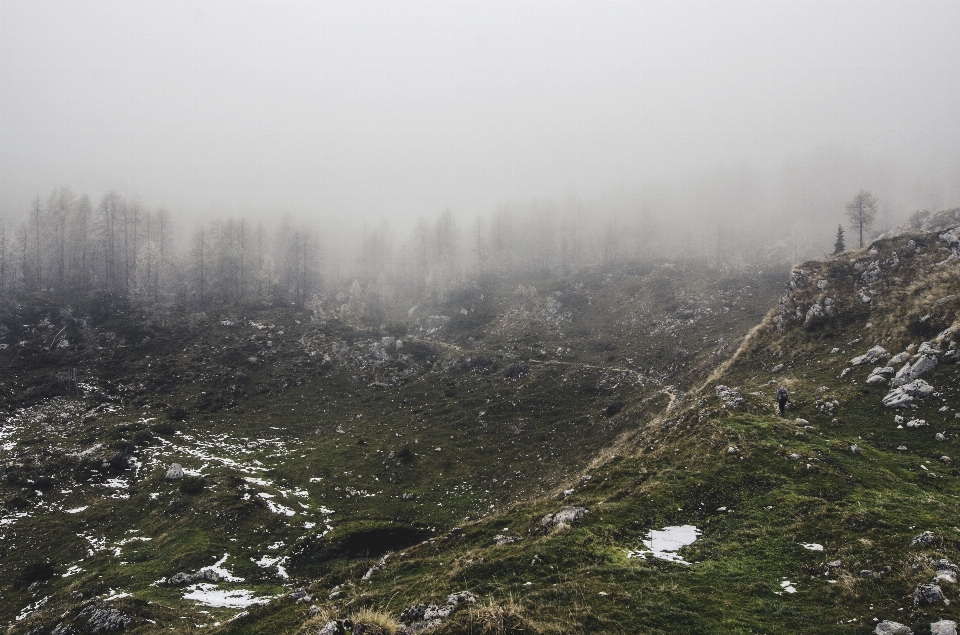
(69, 246)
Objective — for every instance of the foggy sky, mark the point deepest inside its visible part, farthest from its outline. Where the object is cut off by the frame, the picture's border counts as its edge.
(399, 109)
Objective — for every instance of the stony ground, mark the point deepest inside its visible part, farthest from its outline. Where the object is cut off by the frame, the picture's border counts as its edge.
(599, 454)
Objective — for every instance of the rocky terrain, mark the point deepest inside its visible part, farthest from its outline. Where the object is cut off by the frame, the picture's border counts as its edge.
(596, 454)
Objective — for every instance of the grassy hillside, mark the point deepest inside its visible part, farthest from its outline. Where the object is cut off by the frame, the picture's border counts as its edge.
(826, 521)
(313, 447)
(517, 448)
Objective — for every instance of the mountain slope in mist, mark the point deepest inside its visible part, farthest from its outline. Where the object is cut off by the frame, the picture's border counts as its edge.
(511, 459)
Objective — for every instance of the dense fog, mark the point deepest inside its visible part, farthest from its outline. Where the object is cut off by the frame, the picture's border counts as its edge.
(429, 141)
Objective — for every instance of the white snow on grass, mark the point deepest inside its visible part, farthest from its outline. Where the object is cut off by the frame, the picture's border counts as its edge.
(210, 595)
(665, 543)
(787, 587)
(74, 570)
(812, 546)
(30, 608)
(223, 573)
(266, 562)
(96, 544)
(76, 510)
(12, 518)
(276, 508)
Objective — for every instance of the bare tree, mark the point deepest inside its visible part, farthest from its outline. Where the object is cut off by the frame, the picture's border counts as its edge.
(862, 210)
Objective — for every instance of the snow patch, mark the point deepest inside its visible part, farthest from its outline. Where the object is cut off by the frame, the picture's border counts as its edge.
(210, 595)
(665, 543)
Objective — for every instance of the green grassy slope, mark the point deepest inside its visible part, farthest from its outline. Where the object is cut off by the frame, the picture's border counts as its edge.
(318, 446)
(837, 473)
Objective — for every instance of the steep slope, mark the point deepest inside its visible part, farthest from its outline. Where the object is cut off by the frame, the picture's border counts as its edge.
(834, 519)
(312, 447)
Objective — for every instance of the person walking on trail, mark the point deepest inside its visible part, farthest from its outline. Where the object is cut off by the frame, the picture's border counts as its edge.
(782, 399)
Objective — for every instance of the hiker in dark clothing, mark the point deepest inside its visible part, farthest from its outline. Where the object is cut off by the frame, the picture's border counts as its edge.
(782, 399)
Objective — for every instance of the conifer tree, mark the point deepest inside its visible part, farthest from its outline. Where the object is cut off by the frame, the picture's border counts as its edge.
(839, 246)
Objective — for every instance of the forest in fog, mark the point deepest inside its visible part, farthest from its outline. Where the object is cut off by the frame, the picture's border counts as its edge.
(70, 245)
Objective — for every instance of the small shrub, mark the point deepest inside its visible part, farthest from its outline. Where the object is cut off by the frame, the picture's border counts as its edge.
(192, 485)
(35, 572)
(515, 370)
(164, 428)
(120, 461)
(613, 408)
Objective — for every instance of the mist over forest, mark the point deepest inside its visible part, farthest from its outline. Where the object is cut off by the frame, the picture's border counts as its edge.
(204, 153)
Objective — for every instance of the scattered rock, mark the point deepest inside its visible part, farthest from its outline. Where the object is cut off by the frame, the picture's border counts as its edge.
(101, 619)
(899, 358)
(208, 575)
(945, 565)
(866, 573)
(945, 575)
(377, 567)
(462, 596)
(887, 627)
(421, 617)
(565, 516)
(802, 422)
(731, 397)
(733, 449)
(175, 472)
(336, 627)
(925, 539)
(943, 627)
(854, 448)
(927, 594)
(300, 595)
(928, 348)
(916, 423)
(909, 372)
(503, 539)
(903, 396)
(872, 355)
(179, 578)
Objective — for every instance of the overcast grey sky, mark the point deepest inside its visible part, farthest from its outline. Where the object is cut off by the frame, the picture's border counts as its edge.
(398, 108)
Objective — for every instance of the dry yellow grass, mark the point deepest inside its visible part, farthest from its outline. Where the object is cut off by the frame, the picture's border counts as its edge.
(373, 622)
